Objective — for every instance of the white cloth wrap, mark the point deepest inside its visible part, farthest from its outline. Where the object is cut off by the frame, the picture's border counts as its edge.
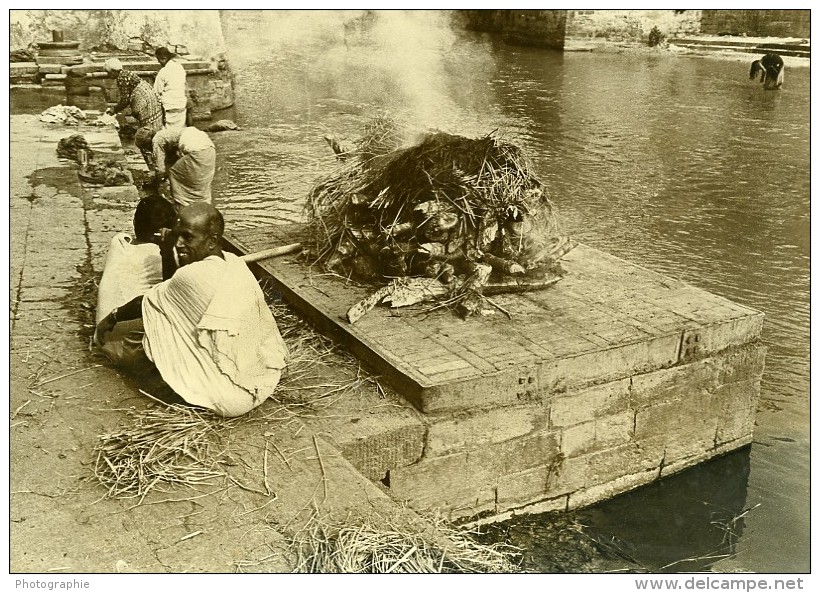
(212, 336)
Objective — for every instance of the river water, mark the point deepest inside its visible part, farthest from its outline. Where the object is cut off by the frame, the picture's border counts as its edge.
(677, 163)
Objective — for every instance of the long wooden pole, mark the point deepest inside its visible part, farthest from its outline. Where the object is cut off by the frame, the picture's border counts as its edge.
(272, 252)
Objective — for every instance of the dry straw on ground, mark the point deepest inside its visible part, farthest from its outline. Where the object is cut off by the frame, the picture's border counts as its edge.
(170, 445)
(385, 548)
(179, 445)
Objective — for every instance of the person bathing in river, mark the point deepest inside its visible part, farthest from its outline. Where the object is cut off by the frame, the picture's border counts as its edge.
(137, 94)
(208, 331)
(187, 157)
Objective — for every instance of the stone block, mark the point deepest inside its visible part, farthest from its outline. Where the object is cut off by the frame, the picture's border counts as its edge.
(743, 363)
(196, 65)
(631, 458)
(71, 60)
(377, 454)
(50, 68)
(606, 490)
(521, 488)
(675, 383)
(583, 405)
(734, 332)
(729, 446)
(578, 439)
(610, 364)
(615, 429)
(142, 66)
(685, 426)
(470, 478)
(570, 475)
(55, 76)
(89, 68)
(683, 463)
(471, 430)
(443, 483)
(23, 68)
(503, 388)
(514, 455)
(737, 407)
(547, 505)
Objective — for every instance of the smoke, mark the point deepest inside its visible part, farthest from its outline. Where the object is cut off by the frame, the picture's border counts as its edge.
(399, 61)
(409, 51)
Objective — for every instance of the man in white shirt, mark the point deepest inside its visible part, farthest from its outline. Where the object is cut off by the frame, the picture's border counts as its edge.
(170, 86)
(187, 157)
(208, 330)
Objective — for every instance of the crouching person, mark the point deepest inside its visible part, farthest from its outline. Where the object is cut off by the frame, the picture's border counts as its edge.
(187, 157)
(208, 330)
(132, 266)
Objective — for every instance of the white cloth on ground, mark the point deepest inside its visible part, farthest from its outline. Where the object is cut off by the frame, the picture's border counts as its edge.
(212, 336)
(130, 270)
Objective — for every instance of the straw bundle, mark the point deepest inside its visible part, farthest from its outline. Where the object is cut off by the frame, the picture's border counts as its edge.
(172, 445)
(440, 208)
(360, 205)
(321, 548)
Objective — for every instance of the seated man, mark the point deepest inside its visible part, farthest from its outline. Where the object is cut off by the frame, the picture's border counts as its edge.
(208, 329)
(187, 157)
(132, 266)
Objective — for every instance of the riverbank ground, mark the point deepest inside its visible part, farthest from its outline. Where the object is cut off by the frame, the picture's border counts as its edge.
(279, 466)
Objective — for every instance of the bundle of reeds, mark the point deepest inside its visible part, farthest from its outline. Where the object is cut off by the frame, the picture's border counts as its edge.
(440, 208)
(170, 445)
(367, 548)
(371, 201)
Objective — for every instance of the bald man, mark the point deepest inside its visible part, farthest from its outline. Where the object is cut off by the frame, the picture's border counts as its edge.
(208, 330)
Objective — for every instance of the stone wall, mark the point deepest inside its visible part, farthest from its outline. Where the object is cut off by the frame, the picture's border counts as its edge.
(199, 30)
(757, 23)
(588, 444)
(538, 28)
(209, 83)
(628, 25)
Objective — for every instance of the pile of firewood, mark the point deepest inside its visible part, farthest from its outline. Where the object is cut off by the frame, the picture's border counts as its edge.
(466, 212)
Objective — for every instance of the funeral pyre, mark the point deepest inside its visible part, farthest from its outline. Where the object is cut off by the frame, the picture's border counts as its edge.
(448, 219)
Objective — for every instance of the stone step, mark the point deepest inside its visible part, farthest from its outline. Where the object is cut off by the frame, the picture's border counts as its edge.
(68, 60)
(148, 63)
(23, 68)
(801, 50)
(744, 49)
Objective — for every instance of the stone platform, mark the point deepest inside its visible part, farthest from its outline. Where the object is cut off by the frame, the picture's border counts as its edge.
(612, 378)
